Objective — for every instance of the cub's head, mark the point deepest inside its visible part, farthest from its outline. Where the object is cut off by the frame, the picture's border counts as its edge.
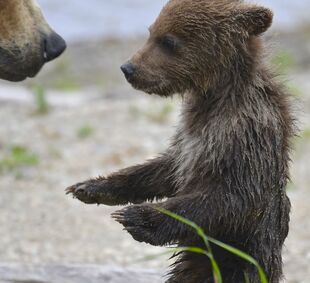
(26, 40)
(194, 42)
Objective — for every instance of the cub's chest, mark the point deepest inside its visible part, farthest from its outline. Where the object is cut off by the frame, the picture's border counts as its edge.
(190, 158)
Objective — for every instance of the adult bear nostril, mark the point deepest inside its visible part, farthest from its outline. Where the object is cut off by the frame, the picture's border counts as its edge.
(54, 45)
(128, 70)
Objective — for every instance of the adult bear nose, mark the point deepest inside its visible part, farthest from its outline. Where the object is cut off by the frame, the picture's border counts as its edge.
(128, 69)
(54, 45)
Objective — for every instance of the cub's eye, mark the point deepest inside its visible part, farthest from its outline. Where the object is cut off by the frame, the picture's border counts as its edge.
(169, 43)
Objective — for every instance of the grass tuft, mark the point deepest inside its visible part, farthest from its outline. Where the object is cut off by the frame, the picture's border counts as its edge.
(85, 132)
(208, 251)
(18, 156)
(41, 102)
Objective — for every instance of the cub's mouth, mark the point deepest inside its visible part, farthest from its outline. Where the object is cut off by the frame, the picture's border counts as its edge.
(150, 87)
(131, 74)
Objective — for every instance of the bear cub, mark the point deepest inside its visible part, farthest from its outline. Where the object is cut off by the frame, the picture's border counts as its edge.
(226, 168)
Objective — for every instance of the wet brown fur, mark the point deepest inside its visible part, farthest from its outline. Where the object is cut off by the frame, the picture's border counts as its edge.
(228, 163)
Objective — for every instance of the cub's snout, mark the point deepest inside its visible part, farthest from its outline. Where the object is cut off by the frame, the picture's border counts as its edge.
(129, 71)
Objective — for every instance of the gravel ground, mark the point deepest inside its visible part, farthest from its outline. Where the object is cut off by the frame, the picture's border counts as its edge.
(38, 223)
(19, 273)
(97, 131)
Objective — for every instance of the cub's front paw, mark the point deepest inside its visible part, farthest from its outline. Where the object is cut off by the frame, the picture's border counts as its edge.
(85, 192)
(141, 221)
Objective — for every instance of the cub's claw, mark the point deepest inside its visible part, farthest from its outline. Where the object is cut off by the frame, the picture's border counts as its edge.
(75, 188)
(96, 191)
(139, 221)
(83, 192)
(119, 216)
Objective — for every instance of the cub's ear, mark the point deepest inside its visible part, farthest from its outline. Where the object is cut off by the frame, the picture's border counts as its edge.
(254, 19)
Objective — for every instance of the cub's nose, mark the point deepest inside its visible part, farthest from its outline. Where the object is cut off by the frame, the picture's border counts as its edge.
(128, 69)
(54, 45)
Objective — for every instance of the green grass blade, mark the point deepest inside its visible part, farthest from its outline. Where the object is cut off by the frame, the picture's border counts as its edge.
(216, 270)
(208, 240)
(242, 255)
(187, 222)
(234, 251)
(246, 278)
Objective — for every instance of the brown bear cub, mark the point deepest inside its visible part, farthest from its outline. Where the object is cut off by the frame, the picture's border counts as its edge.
(227, 166)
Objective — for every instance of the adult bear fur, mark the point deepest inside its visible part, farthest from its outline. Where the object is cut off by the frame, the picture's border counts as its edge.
(27, 42)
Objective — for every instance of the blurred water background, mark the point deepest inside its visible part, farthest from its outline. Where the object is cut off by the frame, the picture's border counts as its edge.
(76, 19)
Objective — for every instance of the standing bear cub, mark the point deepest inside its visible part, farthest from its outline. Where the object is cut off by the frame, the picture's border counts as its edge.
(226, 168)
